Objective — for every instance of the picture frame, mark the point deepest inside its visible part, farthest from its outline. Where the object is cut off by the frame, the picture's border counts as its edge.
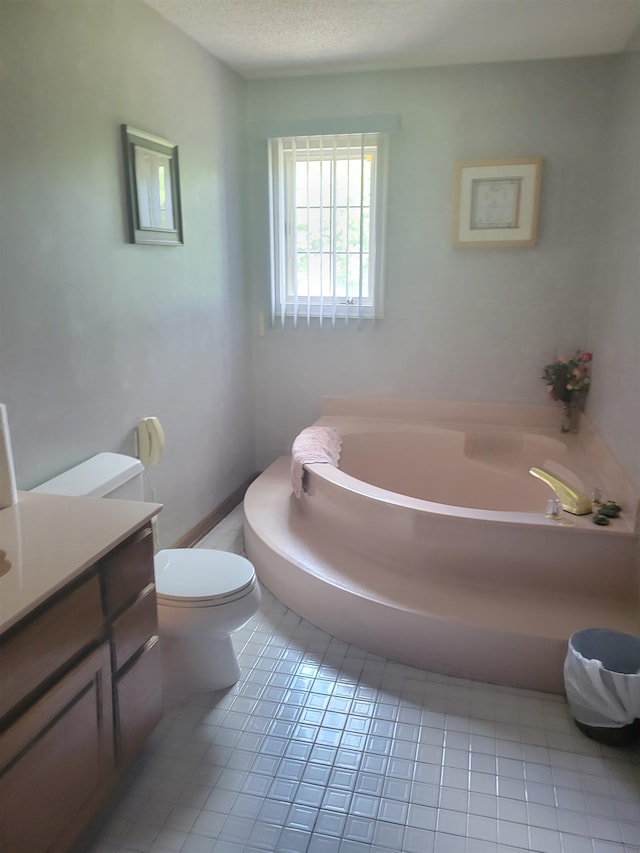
(152, 181)
(496, 202)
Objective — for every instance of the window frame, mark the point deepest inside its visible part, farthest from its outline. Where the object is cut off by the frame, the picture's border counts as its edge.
(284, 153)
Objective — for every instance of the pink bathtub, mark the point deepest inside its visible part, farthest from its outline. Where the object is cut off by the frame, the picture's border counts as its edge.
(429, 543)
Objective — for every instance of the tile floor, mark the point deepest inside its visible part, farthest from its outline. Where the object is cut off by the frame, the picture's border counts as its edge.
(324, 748)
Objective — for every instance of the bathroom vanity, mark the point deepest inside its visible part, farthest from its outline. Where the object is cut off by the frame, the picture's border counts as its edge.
(80, 678)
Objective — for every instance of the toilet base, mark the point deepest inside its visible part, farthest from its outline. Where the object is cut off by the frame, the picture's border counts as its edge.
(212, 667)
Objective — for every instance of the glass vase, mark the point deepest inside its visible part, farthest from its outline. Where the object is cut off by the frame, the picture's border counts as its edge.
(570, 417)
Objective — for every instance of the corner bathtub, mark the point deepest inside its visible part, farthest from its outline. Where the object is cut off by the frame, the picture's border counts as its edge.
(429, 545)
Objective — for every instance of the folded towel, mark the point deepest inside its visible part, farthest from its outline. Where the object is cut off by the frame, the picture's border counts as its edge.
(313, 444)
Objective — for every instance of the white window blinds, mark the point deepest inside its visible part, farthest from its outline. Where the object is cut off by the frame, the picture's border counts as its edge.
(327, 199)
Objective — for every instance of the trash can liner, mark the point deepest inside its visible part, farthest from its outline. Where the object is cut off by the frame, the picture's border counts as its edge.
(602, 677)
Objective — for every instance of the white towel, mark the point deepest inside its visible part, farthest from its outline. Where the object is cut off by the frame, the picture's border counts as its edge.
(313, 444)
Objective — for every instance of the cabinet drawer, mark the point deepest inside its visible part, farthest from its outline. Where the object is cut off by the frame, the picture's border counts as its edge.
(135, 626)
(35, 650)
(56, 761)
(138, 702)
(128, 570)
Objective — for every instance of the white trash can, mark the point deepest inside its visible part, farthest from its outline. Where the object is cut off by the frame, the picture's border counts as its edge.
(602, 682)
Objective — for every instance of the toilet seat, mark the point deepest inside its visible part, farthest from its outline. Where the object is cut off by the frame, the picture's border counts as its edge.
(201, 577)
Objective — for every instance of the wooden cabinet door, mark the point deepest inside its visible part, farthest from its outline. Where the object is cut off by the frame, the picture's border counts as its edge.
(138, 692)
(56, 761)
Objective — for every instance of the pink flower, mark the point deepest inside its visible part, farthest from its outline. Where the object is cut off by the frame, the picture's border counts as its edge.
(566, 377)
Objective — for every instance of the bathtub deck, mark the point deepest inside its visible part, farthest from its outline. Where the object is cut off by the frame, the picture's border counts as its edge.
(517, 637)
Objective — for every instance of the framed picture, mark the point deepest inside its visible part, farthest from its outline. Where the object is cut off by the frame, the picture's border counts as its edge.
(152, 183)
(496, 202)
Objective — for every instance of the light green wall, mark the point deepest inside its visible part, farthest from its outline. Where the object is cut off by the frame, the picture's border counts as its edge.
(462, 324)
(615, 304)
(94, 332)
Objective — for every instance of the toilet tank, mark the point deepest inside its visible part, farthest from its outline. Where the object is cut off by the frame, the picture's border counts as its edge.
(106, 475)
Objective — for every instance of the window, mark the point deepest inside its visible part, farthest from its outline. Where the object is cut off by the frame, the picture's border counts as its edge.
(327, 199)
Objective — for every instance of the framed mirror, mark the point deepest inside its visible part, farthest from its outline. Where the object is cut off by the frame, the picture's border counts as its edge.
(152, 181)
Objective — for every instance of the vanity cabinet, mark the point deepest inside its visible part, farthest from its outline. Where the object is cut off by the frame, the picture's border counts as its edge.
(80, 691)
(132, 614)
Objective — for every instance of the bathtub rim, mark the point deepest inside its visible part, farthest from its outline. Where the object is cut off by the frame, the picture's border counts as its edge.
(456, 414)
(326, 472)
(349, 425)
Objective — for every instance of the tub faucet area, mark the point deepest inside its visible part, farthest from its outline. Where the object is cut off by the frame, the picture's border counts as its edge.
(572, 501)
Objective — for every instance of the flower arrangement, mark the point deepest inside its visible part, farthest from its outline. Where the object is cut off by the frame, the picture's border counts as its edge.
(568, 378)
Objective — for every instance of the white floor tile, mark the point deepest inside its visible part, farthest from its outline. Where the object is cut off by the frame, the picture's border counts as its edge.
(324, 748)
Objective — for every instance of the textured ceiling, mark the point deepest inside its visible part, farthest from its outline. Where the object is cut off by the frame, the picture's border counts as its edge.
(265, 38)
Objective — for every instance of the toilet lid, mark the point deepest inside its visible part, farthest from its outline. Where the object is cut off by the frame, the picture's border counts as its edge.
(190, 575)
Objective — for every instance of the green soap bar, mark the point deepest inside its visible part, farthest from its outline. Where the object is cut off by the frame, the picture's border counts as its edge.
(601, 519)
(609, 511)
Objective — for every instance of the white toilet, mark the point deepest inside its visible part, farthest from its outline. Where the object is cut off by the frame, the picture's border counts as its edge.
(203, 595)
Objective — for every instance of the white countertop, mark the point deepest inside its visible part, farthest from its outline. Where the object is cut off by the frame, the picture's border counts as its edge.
(47, 540)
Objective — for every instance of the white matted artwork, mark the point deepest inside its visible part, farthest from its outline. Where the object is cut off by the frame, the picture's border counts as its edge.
(496, 202)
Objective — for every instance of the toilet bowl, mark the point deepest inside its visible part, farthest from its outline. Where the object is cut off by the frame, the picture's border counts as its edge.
(203, 595)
